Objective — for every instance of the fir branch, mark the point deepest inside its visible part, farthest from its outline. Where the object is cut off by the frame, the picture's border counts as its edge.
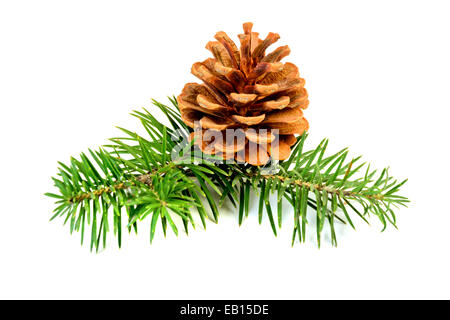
(135, 177)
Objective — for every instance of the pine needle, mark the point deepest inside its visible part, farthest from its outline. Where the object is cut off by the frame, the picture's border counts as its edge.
(137, 173)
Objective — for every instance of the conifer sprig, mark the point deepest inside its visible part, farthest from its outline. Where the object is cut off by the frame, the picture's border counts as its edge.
(160, 175)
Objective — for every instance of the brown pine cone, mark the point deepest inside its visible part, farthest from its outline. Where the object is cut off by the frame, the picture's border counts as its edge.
(246, 90)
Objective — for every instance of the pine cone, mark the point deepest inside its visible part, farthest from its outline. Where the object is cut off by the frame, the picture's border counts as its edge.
(249, 91)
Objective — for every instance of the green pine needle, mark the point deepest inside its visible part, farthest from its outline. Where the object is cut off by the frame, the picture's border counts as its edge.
(135, 177)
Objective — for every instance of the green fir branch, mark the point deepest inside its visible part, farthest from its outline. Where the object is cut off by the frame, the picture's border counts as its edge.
(134, 177)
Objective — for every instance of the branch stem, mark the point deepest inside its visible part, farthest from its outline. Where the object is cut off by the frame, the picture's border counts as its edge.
(147, 180)
(321, 187)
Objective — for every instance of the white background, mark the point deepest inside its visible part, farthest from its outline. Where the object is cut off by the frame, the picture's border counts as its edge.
(378, 77)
